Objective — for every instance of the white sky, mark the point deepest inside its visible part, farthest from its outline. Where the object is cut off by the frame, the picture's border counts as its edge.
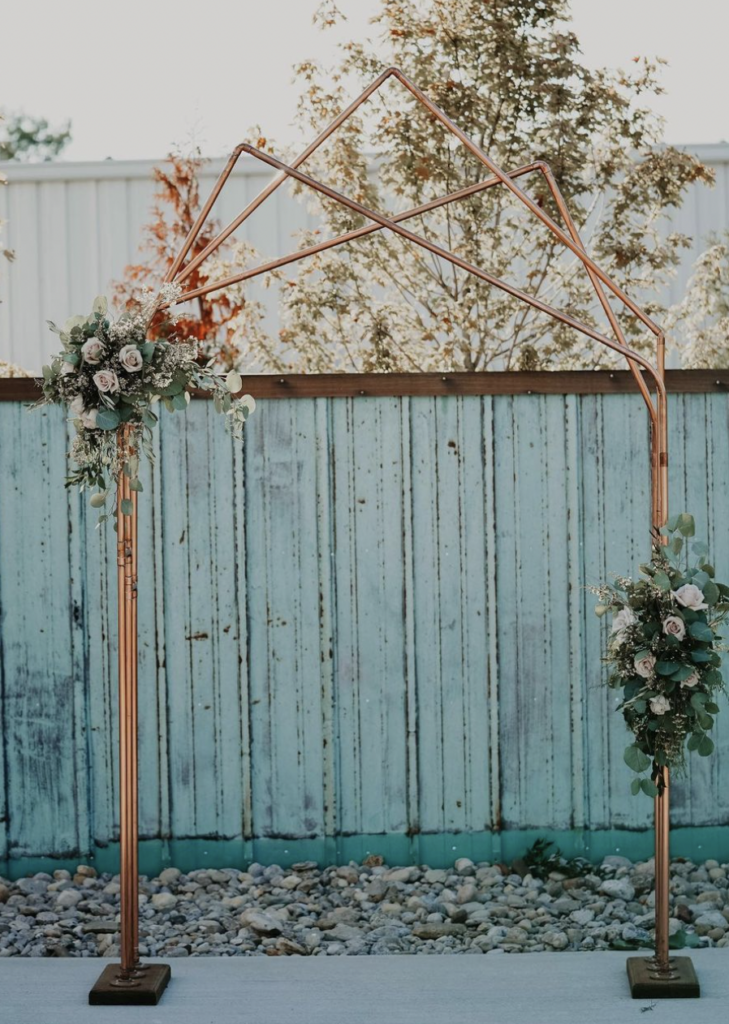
(138, 76)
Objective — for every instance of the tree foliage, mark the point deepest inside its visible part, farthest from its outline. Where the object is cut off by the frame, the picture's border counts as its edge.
(27, 138)
(699, 324)
(509, 73)
(218, 321)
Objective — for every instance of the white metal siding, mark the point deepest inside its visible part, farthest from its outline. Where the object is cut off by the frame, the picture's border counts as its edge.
(75, 226)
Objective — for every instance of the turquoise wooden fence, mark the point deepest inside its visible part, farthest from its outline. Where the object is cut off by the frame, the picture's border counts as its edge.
(364, 630)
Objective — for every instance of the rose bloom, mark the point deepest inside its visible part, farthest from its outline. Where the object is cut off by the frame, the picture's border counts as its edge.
(691, 597)
(131, 358)
(106, 380)
(660, 705)
(674, 626)
(645, 665)
(92, 351)
(77, 407)
(691, 680)
(88, 418)
(621, 619)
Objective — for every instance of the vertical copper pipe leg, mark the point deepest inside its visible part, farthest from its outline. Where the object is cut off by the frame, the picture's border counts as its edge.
(661, 804)
(127, 733)
(130, 982)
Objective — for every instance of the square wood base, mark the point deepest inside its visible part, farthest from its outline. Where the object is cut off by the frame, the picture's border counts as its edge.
(145, 989)
(645, 984)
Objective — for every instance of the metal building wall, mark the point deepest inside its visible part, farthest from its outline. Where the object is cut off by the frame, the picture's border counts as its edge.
(76, 226)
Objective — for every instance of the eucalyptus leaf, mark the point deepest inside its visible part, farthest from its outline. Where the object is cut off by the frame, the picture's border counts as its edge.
(686, 524)
(649, 787)
(661, 580)
(700, 631)
(127, 507)
(705, 747)
(636, 759)
(108, 419)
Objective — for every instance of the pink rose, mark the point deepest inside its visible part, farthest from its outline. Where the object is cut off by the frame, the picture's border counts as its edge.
(106, 381)
(690, 681)
(691, 597)
(131, 358)
(674, 626)
(92, 351)
(660, 705)
(644, 666)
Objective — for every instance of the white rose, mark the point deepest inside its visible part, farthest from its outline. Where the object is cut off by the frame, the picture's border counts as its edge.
(644, 666)
(691, 680)
(77, 407)
(106, 380)
(625, 617)
(660, 704)
(92, 351)
(674, 626)
(88, 418)
(131, 358)
(691, 597)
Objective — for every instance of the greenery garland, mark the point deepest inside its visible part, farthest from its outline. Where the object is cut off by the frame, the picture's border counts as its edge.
(109, 375)
(663, 651)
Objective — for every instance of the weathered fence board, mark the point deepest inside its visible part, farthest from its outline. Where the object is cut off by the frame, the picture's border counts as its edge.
(364, 629)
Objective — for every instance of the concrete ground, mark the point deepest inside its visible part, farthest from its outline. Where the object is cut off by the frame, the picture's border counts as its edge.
(537, 988)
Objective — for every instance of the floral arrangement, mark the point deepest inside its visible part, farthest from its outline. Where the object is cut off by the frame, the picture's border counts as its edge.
(663, 651)
(110, 376)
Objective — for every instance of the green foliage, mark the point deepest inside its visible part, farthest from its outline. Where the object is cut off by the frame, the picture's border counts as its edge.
(540, 862)
(31, 138)
(664, 653)
(511, 76)
(110, 377)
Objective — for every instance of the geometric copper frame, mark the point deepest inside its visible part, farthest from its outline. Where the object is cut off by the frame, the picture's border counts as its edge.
(660, 975)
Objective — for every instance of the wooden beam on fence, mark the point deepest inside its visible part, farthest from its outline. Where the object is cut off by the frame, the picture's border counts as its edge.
(371, 385)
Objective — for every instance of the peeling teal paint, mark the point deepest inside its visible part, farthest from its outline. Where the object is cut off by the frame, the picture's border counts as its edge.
(368, 625)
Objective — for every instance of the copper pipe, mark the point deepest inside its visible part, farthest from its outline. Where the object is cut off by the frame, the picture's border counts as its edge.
(528, 202)
(505, 179)
(662, 827)
(265, 193)
(417, 211)
(126, 545)
(134, 754)
(437, 250)
(571, 239)
(604, 302)
(349, 236)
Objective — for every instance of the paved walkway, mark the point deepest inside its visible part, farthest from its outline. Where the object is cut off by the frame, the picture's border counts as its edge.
(537, 988)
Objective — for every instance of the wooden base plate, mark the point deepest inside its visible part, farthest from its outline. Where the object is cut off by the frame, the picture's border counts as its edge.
(646, 983)
(145, 989)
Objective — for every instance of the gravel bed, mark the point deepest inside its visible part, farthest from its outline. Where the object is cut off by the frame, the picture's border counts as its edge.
(363, 909)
